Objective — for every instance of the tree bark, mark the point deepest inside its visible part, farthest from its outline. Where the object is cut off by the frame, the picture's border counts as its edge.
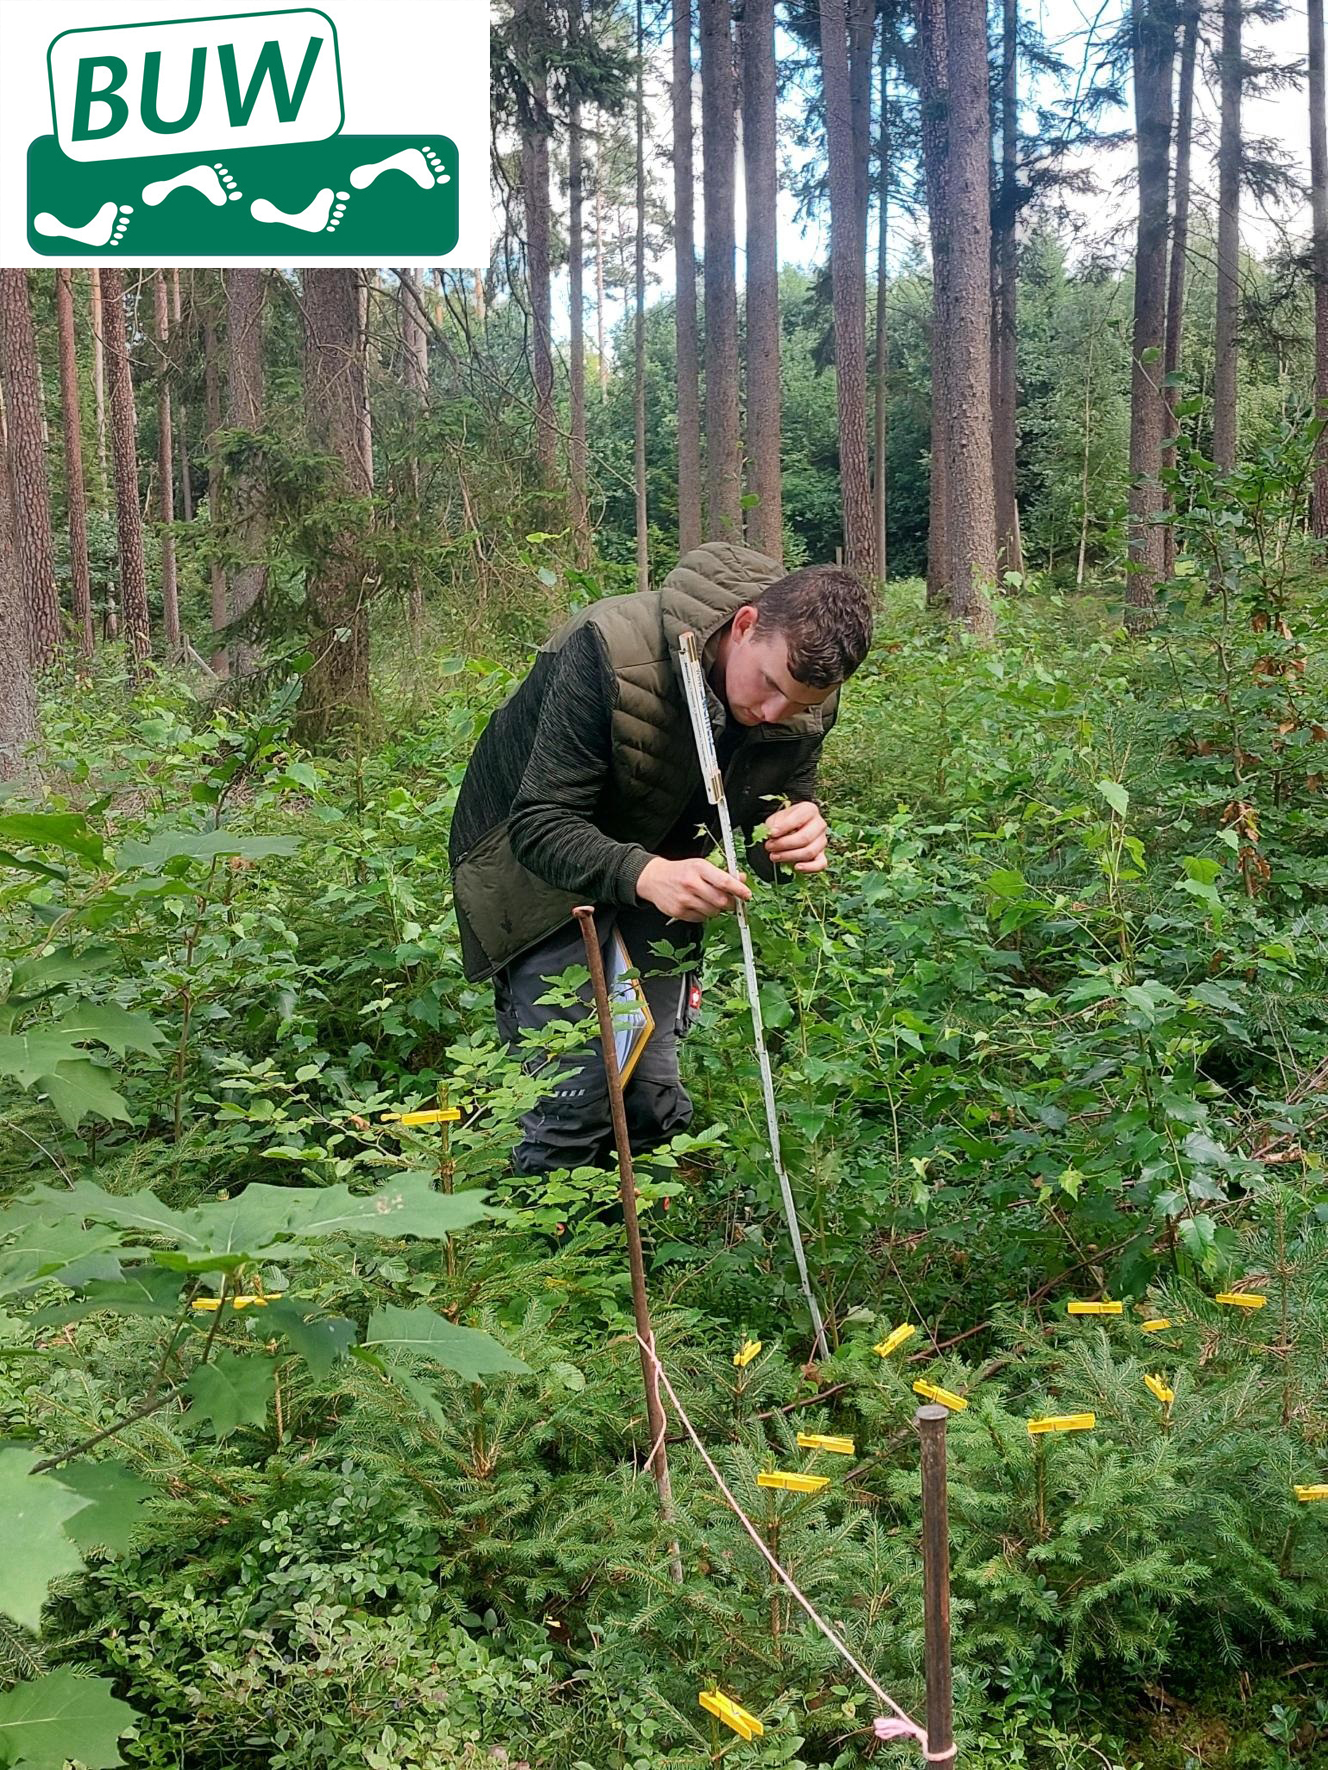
(1180, 234)
(170, 595)
(181, 411)
(26, 441)
(244, 411)
(1154, 42)
(603, 366)
(216, 573)
(124, 456)
(881, 438)
(576, 259)
(684, 246)
(532, 29)
(75, 491)
(336, 688)
(848, 276)
(722, 436)
(366, 281)
(99, 378)
(967, 336)
(415, 374)
(934, 116)
(765, 519)
(1005, 439)
(861, 40)
(1319, 207)
(18, 701)
(1225, 346)
(639, 318)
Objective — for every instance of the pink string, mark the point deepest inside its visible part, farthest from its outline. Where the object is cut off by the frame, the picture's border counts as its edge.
(900, 1725)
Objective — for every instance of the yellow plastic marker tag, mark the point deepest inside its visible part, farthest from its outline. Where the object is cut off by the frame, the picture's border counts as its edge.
(1156, 1326)
(749, 1350)
(1241, 1299)
(1316, 1490)
(732, 1714)
(893, 1341)
(1087, 1308)
(257, 1302)
(791, 1481)
(208, 1303)
(436, 1115)
(1063, 1423)
(1162, 1390)
(946, 1397)
(840, 1447)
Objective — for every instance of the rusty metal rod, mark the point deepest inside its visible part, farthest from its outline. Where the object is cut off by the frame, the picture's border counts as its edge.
(655, 1420)
(931, 1423)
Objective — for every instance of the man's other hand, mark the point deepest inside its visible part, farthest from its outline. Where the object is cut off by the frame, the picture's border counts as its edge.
(796, 836)
(689, 890)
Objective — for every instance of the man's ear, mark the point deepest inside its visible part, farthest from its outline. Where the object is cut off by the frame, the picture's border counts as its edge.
(743, 621)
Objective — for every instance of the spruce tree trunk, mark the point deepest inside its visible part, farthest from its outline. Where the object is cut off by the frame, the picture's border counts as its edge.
(1225, 346)
(722, 438)
(181, 411)
(880, 476)
(75, 492)
(576, 258)
(639, 318)
(765, 520)
(18, 701)
(336, 688)
(934, 106)
(848, 275)
(532, 30)
(1154, 42)
(99, 380)
(170, 595)
(967, 337)
(26, 442)
(1005, 437)
(861, 39)
(245, 398)
(1319, 207)
(684, 246)
(366, 282)
(603, 369)
(415, 374)
(216, 573)
(1180, 233)
(124, 457)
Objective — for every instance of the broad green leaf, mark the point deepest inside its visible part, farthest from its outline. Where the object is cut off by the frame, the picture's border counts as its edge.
(146, 1291)
(1005, 882)
(142, 1212)
(41, 1249)
(38, 1548)
(319, 1339)
(76, 1089)
(198, 845)
(66, 830)
(233, 1390)
(409, 1204)
(29, 1056)
(67, 964)
(47, 1721)
(24, 863)
(419, 1392)
(426, 1334)
(114, 1495)
(1115, 795)
(112, 1026)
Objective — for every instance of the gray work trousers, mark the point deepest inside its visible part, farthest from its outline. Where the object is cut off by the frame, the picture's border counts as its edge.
(571, 1127)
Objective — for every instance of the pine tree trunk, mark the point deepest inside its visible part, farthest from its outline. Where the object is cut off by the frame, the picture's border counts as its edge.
(603, 369)
(245, 398)
(532, 30)
(216, 573)
(481, 313)
(1154, 43)
(1180, 233)
(99, 380)
(415, 374)
(639, 320)
(1319, 206)
(336, 688)
(848, 275)
(576, 259)
(1004, 426)
(181, 412)
(684, 246)
(967, 336)
(367, 281)
(722, 437)
(765, 520)
(880, 451)
(124, 457)
(25, 429)
(170, 595)
(934, 114)
(18, 701)
(1225, 346)
(75, 494)
(861, 40)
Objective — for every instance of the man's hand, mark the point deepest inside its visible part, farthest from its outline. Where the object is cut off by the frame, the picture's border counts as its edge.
(689, 890)
(796, 836)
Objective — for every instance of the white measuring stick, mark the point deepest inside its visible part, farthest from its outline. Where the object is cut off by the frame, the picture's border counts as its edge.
(694, 682)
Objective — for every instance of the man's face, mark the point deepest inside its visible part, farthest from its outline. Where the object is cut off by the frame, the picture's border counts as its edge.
(757, 685)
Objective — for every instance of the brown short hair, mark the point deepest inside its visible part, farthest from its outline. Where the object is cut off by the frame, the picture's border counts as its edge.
(825, 615)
